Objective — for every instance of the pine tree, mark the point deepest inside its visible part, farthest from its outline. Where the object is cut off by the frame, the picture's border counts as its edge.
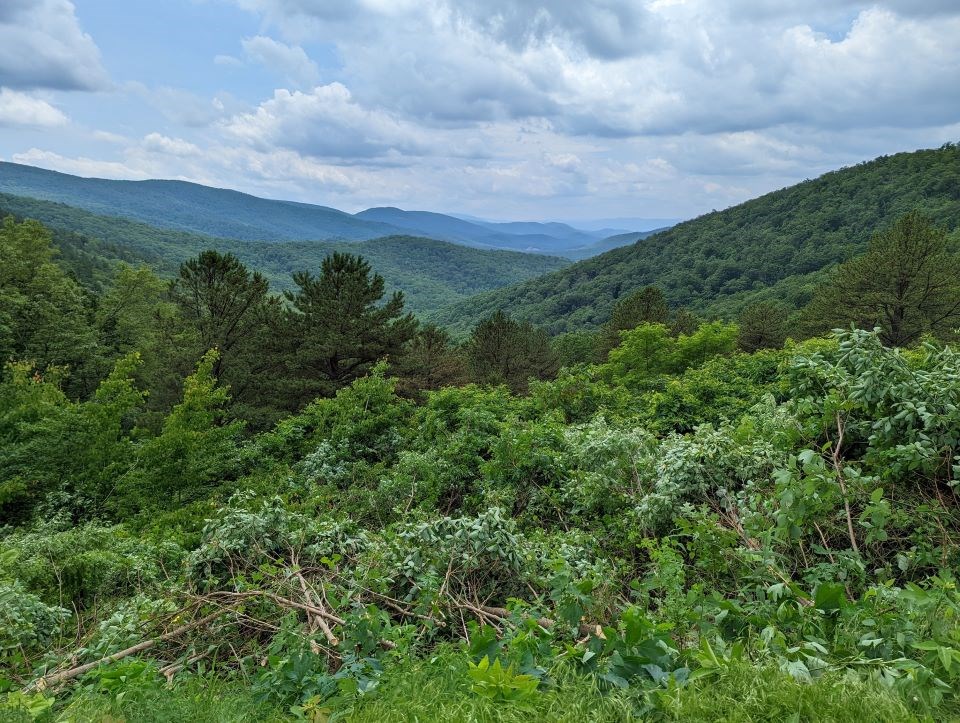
(763, 325)
(908, 284)
(644, 306)
(335, 329)
(431, 362)
(504, 351)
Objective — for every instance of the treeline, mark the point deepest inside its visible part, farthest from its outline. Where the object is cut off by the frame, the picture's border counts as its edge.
(276, 353)
(772, 248)
(221, 503)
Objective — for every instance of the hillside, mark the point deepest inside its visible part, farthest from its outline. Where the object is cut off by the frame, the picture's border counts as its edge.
(194, 208)
(555, 238)
(609, 243)
(431, 273)
(190, 206)
(774, 245)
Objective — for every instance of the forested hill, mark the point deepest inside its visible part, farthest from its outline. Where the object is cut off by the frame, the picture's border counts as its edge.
(431, 273)
(772, 246)
(194, 208)
(191, 207)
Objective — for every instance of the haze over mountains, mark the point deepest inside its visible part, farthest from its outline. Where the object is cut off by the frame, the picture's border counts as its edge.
(431, 273)
(458, 271)
(775, 247)
(225, 213)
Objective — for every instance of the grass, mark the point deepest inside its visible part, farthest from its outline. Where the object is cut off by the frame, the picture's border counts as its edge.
(439, 689)
(195, 699)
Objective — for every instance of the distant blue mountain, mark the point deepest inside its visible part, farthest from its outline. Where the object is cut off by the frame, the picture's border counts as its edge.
(224, 213)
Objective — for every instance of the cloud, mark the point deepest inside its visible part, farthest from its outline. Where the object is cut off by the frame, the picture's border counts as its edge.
(159, 143)
(79, 166)
(289, 61)
(184, 107)
(325, 122)
(21, 109)
(43, 46)
(626, 68)
(227, 61)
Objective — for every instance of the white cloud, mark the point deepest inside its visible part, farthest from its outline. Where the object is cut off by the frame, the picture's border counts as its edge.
(184, 107)
(325, 122)
(79, 166)
(289, 61)
(43, 46)
(159, 143)
(227, 61)
(21, 109)
(623, 68)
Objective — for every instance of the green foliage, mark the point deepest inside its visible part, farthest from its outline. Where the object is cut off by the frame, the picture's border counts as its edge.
(66, 454)
(84, 566)
(26, 623)
(499, 683)
(906, 284)
(44, 314)
(196, 449)
(771, 248)
(649, 351)
(627, 540)
(504, 351)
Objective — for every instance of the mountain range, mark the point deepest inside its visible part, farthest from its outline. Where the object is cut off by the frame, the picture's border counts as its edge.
(777, 246)
(224, 213)
(431, 273)
(455, 271)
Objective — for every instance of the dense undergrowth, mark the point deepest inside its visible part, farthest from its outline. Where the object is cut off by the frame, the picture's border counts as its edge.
(766, 536)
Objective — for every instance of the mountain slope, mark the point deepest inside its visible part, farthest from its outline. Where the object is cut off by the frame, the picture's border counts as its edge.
(555, 238)
(194, 208)
(190, 207)
(609, 243)
(431, 273)
(774, 245)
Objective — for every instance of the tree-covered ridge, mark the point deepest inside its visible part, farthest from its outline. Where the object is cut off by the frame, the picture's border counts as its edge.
(431, 273)
(770, 247)
(223, 213)
(190, 207)
(220, 503)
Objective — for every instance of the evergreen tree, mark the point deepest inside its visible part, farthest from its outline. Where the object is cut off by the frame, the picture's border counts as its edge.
(44, 314)
(335, 329)
(908, 284)
(430, 363)
(644, 306)
(215, 303)
(683, 323)
(504, 351)
(763, 325)
(220, 299)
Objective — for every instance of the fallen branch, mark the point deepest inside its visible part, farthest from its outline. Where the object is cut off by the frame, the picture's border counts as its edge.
(316, 620)
(56, 678)
(587, 629)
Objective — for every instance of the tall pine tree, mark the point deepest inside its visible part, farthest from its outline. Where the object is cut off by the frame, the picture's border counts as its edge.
(336, 329)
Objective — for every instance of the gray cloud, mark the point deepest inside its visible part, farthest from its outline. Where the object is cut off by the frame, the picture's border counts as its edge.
(43, 46)
(289, 61)
(324, 122)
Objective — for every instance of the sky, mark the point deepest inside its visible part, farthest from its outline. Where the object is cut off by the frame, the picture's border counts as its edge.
(504, 109)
